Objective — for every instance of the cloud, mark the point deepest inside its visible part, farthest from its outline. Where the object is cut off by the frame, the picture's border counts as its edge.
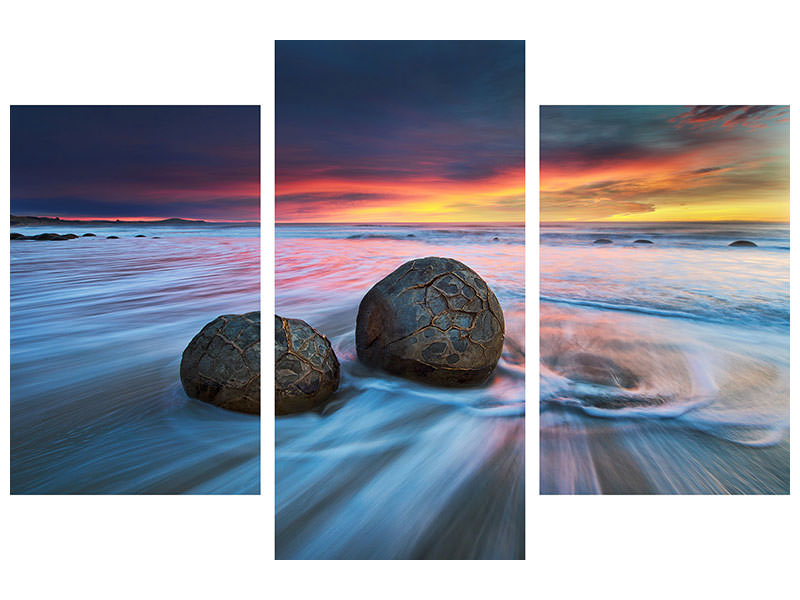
(422, 119)
(749, 116)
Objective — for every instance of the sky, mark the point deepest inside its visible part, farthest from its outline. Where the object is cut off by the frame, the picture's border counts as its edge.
(382, 131)
(664, 163)
(136, 162)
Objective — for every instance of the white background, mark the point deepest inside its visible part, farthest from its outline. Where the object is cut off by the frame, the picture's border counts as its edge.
(222, 53)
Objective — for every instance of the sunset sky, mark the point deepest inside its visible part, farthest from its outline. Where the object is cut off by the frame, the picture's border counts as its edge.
(145, 162)
(664, 163)
(400, 131)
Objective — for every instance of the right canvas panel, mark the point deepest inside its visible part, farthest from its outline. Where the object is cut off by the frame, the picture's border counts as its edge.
(664, 282)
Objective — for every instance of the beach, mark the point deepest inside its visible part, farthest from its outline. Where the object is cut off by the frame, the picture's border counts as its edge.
(392, 468)
(664, 367)
(98, 327)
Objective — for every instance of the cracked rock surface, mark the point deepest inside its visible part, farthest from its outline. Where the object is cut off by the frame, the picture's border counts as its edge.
(306, 368)
(222, 364)
(433, 320)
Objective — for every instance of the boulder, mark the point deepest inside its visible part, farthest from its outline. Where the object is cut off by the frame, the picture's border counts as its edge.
(44, 237)
(140, 235)
(306, 368)
(602, 241)
(112, 237)
(743, 243)
(222, 363)
(88, 235)
(642, 242)
(432, 320)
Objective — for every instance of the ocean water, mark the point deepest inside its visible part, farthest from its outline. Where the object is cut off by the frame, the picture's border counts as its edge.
(98, 327)
(392, 468)
(664, 367)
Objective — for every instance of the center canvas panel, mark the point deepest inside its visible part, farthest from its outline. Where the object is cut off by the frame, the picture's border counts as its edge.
(400, 300)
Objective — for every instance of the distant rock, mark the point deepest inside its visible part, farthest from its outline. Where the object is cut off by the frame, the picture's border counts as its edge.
(434, 320)
(743, 243)
(155, 237)
(88, 235)
(53, 237)
(306, 368)
(222, 363)
(411, 235)
(112, 237)
(495, 239)
(45, 237)
(642, 242)
(140, 235)
(602, 241)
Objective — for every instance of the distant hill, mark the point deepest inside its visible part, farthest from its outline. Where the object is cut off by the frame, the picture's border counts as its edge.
(15, 220)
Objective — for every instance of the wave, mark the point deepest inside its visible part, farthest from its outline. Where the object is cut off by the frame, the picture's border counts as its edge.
(760, 316)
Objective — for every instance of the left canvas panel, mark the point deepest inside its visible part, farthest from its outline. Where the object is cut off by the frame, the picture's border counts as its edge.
(135, 300)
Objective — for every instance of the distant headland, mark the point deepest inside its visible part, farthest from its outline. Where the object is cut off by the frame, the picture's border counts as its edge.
(17, 221)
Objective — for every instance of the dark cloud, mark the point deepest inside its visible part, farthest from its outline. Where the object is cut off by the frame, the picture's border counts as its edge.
(74, 206)
(396, 110)
(348, 198)
(745, 115)
(98, 159)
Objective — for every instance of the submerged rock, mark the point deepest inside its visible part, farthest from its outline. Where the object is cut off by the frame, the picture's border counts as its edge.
(602, 241)
(743, 243)
(433, 320)
(584, 367)
(112, 237)
(140, 235)
(88, 235)
(306, 368)
(222, 363)
(642, 242)
(17, 236)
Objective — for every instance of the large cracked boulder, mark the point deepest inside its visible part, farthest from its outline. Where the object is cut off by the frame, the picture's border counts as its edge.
(433, 320)
(222, 364)
(306, 368)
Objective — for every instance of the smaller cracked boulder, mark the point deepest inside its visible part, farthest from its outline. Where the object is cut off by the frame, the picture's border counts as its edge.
(222, 363)
(306, 368)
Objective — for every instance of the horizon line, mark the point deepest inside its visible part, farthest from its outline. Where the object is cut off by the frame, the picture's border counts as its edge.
(127, 219)
(671, 221)
(392, 222)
